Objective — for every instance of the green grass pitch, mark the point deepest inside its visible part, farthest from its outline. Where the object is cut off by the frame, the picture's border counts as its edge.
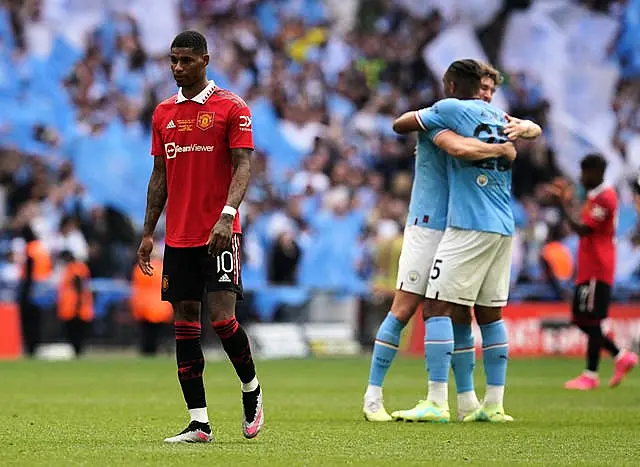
(111, 412)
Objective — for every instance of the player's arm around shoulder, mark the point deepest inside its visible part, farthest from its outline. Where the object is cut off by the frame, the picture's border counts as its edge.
(438, 115)
(517, 128)
(407, 122)
(472, 149)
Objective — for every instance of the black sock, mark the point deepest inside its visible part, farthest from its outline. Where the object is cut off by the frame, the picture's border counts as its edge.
(190, 363)
(236, 344)
(595, 344)
(609, 346)
(250, 403)
(593, 352)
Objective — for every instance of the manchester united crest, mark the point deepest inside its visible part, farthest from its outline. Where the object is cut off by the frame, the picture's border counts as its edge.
(165, 283)
(205, 120)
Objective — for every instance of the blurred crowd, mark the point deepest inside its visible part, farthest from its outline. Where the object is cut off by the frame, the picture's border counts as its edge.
(324, 79)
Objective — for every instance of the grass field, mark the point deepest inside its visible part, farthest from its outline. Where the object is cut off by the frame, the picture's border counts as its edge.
(106, 411)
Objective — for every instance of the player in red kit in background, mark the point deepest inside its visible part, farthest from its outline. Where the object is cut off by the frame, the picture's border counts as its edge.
(202, 145)
(596, 266)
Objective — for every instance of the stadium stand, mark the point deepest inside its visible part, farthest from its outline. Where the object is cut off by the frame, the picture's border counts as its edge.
(324, 79)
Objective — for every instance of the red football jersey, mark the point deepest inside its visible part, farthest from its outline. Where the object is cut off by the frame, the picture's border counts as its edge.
(195, 136)
(597, 251)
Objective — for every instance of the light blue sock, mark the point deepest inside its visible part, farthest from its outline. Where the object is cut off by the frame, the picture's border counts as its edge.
(438, 347)
(463, 360)
(495, 352)
(385, 349)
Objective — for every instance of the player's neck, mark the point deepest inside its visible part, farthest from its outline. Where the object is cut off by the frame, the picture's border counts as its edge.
(192, 91)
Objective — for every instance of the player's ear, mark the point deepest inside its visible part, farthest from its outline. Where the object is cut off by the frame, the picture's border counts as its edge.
(205, 59)
(451, 87)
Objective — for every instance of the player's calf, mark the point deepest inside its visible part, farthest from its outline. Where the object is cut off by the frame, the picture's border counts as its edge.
(495, 352)
(384, 351)
(463, 362)
(438, 347)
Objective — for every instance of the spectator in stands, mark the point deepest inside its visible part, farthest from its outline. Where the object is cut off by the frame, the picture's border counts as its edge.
(71, 239)
(557, 262)
(387, 247)
(322, 78)
(75, 301)
(285, 256)
(36, 268)
(636, 198)
(154, 316)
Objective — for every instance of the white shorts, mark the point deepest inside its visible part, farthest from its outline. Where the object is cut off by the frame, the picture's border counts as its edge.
(471, 268)
(419, 245)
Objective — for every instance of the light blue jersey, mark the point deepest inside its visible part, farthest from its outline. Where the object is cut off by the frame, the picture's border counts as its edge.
(430, 192)
(479, 192)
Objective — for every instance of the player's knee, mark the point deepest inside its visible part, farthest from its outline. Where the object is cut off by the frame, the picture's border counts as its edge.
(222, 305)
(433, 308)
(487, 315)
(461, 314)
(405, 305)
(186, 311)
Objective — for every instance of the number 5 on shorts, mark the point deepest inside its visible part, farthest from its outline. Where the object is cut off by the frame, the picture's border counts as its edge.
(435, 270)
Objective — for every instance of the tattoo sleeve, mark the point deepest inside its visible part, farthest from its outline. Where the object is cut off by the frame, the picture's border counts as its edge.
(241, 158)
(156, 196)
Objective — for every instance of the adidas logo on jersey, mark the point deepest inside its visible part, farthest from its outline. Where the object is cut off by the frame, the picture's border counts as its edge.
(170, 125)
(224, 278)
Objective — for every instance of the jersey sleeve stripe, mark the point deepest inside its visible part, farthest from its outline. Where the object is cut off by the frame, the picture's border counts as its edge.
(419, 120)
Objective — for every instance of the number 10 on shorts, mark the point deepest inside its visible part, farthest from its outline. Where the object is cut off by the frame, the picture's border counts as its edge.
(224, 262)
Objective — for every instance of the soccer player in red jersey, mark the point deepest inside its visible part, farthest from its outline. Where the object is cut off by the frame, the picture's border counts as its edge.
(596, 265)
(202, 143)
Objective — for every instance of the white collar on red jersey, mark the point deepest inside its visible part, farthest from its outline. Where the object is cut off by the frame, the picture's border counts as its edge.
(597, 190)
(201, 98)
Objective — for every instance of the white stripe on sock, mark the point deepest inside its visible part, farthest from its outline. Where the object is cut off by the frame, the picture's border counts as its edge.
(464, 350)
(386, 344)
(495, 346)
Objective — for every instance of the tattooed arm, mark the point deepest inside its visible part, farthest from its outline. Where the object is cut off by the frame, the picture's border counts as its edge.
(156, 199)
(156, 196)
(241, 158)
(220, 237)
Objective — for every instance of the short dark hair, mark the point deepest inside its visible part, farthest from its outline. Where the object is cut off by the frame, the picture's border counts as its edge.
(594, 161)
(466, 75)
(190, 40)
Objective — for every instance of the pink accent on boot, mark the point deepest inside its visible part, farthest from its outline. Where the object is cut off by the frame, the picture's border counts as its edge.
(623, 366)
(582, 383)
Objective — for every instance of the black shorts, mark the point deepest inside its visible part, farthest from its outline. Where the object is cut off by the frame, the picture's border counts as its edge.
(591, 301)
(187, 273)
